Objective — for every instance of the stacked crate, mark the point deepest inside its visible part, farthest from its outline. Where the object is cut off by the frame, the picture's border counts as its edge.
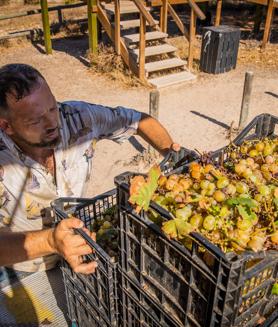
(159, 282)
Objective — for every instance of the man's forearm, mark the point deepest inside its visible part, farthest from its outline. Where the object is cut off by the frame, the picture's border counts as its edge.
(155, 134)
(22, 246)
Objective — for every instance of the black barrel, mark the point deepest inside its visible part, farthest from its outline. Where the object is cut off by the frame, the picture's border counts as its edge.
(219, 49)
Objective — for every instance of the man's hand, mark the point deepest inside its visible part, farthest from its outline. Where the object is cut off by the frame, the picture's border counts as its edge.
(71, 246)
(176, 147)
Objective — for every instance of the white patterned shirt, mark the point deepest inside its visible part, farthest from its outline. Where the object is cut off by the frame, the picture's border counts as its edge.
(27, 188)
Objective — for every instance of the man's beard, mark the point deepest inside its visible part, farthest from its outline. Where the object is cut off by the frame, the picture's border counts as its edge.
(43, 145)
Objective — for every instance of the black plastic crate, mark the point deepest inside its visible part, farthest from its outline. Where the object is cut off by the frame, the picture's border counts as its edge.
(219, 49)
(139, 310)
(197, 285)
(264, 125)
(176, 159)
(92, 299)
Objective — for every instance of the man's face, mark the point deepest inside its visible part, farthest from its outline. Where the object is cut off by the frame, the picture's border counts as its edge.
(33, 120)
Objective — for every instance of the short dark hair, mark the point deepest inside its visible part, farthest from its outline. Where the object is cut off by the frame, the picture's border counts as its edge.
(17, 79)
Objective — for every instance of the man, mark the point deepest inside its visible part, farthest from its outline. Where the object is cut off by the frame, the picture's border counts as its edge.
(46, 151)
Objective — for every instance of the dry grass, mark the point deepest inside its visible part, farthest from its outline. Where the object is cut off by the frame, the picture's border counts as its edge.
(182, 45)
(108, 63)
(250, 52)
(12, 43)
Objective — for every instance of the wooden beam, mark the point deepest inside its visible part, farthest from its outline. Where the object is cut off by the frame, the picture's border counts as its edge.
(158, 3)
(196, 9)
(92, 26)
(117, 27)
(218, 13)
(139, 4)
(269, 16)
(142, 45)
(46, 27)
(105, 22)
(192, 33)
(164, 16)
(178, 21)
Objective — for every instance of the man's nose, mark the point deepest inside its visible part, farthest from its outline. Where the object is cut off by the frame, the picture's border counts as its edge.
(50, 122)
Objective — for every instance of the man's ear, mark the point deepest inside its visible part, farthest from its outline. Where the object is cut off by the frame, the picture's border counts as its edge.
(5, 126)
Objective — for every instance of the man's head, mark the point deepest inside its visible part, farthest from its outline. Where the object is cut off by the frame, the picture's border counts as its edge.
(28, 109)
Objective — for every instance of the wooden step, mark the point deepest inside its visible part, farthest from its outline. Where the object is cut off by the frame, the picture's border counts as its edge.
(164, 64)
(155, 50)
(133, 23)
(169, 80)
(150, 36)
(127, 7)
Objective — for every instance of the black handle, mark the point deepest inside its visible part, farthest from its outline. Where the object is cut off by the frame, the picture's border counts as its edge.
(80, 231)
(175, 159)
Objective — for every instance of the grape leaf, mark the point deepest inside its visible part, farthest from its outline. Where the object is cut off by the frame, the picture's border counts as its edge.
(142, 190)
(246, 213)
(274, 290)
(242, 201)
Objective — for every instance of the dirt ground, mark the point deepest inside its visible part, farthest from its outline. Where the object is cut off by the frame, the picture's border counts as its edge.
(197, 114)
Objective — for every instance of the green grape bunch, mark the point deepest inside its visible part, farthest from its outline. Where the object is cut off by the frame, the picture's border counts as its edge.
(105, 227)
(234, 204)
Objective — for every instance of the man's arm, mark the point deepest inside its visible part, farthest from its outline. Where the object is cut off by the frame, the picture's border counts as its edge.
(21, 246)
(155, 134)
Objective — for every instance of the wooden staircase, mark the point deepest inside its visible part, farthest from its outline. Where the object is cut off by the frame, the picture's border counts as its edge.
(142, 44)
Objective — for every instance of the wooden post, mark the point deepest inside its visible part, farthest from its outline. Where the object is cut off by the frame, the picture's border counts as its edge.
(153, 111)
(92, 25)
(192, 33)
(268, 22)
(245, 99)
(142, 45)
(218, 13)
(117, 27)
(161, 17)
(46, 27)
(164, 16)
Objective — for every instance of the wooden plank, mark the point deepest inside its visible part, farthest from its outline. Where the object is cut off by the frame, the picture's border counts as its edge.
(117, 27)
(192, 33)
(15, 35)
(134, 38)
(164, 16)
(172, 79)
(218, 13)
(269, 17)
(164, 64)
(142, 45)
(46, 27)
(178, 21)
(155, 50)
